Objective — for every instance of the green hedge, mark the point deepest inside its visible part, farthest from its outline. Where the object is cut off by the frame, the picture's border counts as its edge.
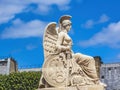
(20, 81)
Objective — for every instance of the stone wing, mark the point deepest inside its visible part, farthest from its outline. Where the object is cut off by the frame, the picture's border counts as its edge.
(50, 39)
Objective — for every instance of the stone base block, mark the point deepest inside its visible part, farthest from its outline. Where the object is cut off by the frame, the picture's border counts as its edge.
(88, 87)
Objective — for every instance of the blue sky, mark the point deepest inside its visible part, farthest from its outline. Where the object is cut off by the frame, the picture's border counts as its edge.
(95, 28)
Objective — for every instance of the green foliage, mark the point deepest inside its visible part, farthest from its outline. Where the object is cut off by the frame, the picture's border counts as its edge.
(20, 81)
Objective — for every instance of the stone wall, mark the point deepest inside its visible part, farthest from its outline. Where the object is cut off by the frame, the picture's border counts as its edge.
(13, 66)
(110, 74)
(3, 67)
(29, 70)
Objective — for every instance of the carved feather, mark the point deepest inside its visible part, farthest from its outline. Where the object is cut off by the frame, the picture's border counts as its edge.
(50, 39)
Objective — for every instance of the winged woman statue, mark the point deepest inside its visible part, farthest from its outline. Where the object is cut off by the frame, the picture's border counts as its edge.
(62, 67)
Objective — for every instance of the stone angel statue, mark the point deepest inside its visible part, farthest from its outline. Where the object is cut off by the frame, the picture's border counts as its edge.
(61, 66)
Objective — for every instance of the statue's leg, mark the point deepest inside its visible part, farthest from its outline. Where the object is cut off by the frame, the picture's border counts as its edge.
(87, 63)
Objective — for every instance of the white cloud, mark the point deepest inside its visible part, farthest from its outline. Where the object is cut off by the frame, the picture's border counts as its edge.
(108, 36)
(24, 30)
(103, 18)
(9, 8)
(8, 11)
(31, 47)
(90, 23)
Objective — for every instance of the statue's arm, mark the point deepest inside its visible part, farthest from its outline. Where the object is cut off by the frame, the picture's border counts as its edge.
(60, 40)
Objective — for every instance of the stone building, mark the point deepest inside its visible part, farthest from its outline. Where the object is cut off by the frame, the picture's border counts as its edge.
(7, 66)
(110, 74)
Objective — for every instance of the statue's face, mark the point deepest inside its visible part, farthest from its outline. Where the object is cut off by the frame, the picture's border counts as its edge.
(67, 24)
(68, 27)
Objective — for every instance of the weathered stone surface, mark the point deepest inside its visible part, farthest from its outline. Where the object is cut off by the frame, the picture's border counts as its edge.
(110, 74)
(90, 87)
(62, 67)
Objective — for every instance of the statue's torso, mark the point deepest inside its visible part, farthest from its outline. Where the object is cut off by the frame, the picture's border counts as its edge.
(67, 41)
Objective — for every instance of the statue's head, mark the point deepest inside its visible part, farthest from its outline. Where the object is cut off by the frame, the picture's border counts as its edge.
(65, 22)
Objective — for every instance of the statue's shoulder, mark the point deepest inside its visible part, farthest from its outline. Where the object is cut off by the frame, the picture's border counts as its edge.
(61, 34)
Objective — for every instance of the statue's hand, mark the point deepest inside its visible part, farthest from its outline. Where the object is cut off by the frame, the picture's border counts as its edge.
(68, 48)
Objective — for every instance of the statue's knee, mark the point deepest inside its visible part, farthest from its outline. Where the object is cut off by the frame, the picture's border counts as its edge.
(91, 59)
(77, 55)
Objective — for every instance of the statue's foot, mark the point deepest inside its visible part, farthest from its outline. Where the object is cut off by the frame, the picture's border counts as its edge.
(103, 84)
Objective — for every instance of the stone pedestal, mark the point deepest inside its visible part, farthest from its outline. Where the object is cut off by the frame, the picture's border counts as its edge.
(88, 87)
